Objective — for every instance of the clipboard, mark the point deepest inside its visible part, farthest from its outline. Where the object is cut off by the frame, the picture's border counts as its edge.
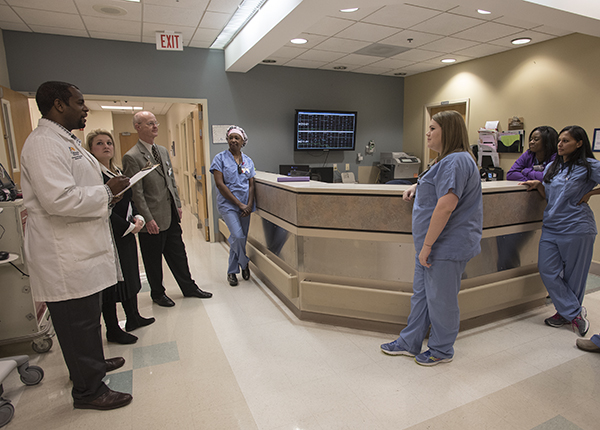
(137, 177)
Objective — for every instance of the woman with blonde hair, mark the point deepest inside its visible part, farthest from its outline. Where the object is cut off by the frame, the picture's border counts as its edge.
(125, 224)
(447, 223)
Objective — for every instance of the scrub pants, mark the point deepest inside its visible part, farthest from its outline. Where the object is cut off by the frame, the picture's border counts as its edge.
(564, 262)
(596, 339)
(434, 302)
(238, 234)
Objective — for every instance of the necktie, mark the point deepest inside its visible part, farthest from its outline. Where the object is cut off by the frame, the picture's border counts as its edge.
(156, 156)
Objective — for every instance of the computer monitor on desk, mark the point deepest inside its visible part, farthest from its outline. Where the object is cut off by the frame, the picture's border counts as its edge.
(323, 174)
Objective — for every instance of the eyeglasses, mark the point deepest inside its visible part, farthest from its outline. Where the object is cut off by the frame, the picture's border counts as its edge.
(152, 124)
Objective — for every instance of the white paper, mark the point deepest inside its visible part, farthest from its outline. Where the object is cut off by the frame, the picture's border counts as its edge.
(137, 177)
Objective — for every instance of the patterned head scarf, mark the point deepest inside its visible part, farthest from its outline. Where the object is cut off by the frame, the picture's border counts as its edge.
(238, 130)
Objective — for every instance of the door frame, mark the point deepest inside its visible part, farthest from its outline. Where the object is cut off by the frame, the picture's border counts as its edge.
(428, 108)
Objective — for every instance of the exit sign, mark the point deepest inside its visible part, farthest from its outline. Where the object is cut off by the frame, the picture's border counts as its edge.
(169, 41)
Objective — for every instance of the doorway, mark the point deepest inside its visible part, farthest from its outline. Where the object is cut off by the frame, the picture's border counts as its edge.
(461, 106)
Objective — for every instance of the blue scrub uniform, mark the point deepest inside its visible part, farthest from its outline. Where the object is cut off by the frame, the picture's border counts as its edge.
(238, 184)
(568, 235)
(435, 290)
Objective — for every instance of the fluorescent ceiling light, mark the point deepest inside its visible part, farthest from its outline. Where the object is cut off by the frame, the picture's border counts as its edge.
(448, 60)
(353, 9)
(299, 41)
(521, 41)
(133, 1)
(589, 8)
(483, 12)
(122, 107)
(240, 18)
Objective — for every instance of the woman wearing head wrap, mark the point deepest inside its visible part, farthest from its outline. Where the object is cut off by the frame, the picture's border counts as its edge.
(234, 177)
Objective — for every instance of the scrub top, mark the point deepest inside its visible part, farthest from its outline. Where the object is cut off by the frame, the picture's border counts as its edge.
(563, 215)
(238, 183)
(461, 238)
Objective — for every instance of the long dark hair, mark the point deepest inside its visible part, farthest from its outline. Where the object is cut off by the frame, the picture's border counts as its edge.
(549, 140)
(578, 157)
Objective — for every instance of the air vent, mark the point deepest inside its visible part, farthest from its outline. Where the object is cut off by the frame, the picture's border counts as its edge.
(381, 50)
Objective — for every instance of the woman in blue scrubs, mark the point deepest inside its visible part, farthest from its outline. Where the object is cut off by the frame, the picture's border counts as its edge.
(569, 228)
(447, 223)
(234, 177)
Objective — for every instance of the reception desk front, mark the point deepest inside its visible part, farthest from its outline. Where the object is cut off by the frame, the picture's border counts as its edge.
(343, 253)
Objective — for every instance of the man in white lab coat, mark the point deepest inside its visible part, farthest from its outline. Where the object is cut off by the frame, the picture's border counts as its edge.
(68, 242)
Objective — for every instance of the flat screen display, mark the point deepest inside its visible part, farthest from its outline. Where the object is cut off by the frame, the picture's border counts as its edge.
(325, 130)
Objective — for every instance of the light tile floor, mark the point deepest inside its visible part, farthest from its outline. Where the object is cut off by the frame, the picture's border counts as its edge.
(242, 360)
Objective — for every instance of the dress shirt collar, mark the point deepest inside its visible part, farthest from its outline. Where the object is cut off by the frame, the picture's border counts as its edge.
(59, 128)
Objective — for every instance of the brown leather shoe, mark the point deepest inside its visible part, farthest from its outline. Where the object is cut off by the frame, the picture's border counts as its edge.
(587, 345)
(107, 401)
(114, 363)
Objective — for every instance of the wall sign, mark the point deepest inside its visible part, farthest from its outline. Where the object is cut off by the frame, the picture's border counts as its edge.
(169, 41)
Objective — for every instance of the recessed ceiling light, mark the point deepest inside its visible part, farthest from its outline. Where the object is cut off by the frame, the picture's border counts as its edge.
(268, 61)
(299, 41)
(353, 9)
(448, 60)
(340, 68)
(521, 41)
(483, 12)
(400, 74)
(109, 10)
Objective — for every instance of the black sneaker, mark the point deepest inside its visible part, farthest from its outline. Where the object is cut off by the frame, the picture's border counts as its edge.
(246, 273)
(232, 279)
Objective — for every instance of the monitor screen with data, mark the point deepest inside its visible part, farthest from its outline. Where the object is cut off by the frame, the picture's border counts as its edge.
(325, 130)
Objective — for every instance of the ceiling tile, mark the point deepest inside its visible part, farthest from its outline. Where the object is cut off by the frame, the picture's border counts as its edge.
(441, 5)
(423, 67)
(200, 44)
(392, 63)
(471, 11)
(356, 16)
(60, 30)
(553, 30)
(411, 39)
(50, 19)
(172, 15)
(205, 35)
(313, 40)
(359, 60)
(447, 24)
(341, 45)
(348, 67)
(516, 22)
(458, 58)
(416, 55)
(449, 44)
(372, 70)
(66, 6)
(535, 37)
(216, 20)
(329, 26)
(224, 6)
(180, 4)
(488, 31)
(106, 25)
(482, 50)
(367, 32)
(8, 15)
(14, 26)
(401, 16)
(316, 55)
(115, 36)
(134, 10)
(288, 52)
(305, 63)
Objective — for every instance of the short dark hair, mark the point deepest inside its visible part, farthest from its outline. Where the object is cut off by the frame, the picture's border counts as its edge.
(50, 91)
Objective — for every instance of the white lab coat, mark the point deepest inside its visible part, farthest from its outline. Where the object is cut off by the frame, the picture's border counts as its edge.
(68, 242)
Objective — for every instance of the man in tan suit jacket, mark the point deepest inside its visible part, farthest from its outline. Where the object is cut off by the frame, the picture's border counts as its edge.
(157, 200)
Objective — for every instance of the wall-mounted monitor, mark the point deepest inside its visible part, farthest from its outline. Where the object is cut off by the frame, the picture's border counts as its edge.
(325, 130)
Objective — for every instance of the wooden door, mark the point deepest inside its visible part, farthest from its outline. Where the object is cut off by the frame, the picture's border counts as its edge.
(16, 126)
(200, 171)
(127, 141)
(461, 108)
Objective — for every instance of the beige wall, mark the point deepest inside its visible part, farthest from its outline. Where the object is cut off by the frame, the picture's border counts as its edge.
(4, 78)
(553, 83)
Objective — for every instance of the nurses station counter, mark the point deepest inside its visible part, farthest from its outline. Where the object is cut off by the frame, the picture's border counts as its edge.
(343, 253)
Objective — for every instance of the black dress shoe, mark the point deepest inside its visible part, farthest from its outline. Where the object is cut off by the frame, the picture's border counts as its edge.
(107, 401)
(246, 273)
(164, 301)
(114, 363)
(199, 293)
(121, 337)
(138, 322)
(232, 279)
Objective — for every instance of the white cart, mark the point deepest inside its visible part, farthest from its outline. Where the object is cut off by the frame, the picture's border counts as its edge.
(21, 318)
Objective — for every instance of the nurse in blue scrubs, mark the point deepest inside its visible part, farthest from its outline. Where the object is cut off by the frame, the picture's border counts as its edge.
(569, 228)
(447, 223)
(234, 177)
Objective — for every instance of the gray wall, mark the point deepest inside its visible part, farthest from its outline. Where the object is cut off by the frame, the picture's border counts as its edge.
(262, 101)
